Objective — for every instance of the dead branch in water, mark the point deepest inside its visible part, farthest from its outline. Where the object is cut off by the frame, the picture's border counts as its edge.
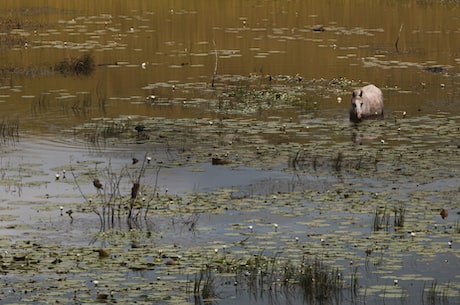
(215, 65)
(397, 39)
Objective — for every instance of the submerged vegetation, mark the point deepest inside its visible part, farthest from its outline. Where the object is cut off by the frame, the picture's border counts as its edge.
(285, 202)
(344, 213)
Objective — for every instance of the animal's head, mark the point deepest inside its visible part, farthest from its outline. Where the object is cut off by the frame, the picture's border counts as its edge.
(357, 103)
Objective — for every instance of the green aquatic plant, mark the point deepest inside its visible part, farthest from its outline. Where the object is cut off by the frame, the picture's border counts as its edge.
(314, 279)
(381, 219)
(320, 282)
(399, 216)
(204, 289)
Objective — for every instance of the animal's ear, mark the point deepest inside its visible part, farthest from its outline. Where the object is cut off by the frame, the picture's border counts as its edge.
(361, 93)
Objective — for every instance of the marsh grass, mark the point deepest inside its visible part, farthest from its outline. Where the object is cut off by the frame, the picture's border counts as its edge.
(435, 295)
(315, 280)
(9, 130)
(354, 282)
(399, 215)
(320, 282)
(83, 65)
(97, 134)
(204, 289)
(76, 65)
(337, 162)
(382, 217)
(381, 220)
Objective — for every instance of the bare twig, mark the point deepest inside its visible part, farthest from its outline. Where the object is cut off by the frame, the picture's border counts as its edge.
(94, 209)
(154, 191)
(215, 65)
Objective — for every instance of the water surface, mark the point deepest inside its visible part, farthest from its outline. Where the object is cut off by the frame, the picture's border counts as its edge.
(275, 118)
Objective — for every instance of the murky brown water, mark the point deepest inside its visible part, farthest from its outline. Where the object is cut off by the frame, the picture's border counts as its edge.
(315, 50)
(177, 42)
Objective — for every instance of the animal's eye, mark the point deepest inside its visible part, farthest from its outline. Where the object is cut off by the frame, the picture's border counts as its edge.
(362, 104)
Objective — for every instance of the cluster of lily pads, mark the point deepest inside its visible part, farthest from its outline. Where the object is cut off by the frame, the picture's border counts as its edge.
(362, 203)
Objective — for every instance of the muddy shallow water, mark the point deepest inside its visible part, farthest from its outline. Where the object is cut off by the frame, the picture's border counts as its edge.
(227, 165)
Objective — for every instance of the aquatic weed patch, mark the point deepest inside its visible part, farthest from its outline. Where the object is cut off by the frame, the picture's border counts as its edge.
(265, 232)
(77, 65)
(86, 274)
(266, 236)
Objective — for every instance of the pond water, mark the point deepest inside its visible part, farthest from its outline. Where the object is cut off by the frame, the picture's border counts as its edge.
(229, 169)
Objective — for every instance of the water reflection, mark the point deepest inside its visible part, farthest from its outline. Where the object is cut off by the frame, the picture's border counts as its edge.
(176, 44)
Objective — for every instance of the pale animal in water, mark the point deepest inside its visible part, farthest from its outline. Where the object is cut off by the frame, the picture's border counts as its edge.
(366, 102)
